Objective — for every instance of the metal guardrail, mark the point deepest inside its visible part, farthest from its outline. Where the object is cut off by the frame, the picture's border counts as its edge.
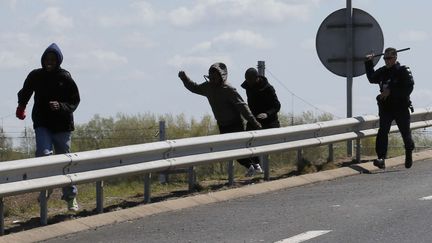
(44, 173)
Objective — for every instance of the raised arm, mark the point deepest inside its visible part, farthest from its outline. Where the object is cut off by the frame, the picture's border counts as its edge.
(374, 77)
(191, 85)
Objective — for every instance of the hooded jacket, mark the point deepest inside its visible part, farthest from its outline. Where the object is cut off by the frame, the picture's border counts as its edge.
(398, 79)
(262, 99)
(226, 103)
(55, 85)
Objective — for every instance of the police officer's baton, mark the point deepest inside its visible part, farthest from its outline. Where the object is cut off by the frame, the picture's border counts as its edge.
(405, 49)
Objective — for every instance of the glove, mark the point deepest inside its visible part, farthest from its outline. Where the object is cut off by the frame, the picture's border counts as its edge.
(20, 112)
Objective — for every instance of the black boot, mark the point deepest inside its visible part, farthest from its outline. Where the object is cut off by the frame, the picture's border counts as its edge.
(380, 163)
(408, 158)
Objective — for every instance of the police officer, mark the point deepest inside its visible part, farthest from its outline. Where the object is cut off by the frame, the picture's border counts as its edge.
(396, 84)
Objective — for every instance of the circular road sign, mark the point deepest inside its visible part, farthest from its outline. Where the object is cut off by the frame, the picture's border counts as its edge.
(331, 41)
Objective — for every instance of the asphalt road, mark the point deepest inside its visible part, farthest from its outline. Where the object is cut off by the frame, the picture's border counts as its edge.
(394, 205)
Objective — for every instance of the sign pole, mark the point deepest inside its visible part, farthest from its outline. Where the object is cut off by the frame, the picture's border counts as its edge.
(342, 41)
(349, 65)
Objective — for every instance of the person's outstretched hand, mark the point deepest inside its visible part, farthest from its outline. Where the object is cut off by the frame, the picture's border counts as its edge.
(182, 75)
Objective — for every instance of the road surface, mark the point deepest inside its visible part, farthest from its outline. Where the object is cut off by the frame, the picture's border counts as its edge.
(394, 205)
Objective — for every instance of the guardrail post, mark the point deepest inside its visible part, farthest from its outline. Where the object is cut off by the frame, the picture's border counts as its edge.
(300, 162)
(299, 156)
(230, 173)
(147, 178)
(266, 167)
(99, 196)
(2, 216)
(163, 176)
(330, 153)
(191, 178)
(358, 150)
(43, 203)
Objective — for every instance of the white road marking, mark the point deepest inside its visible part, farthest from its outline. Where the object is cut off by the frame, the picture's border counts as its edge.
(426, 198)
(304, 236)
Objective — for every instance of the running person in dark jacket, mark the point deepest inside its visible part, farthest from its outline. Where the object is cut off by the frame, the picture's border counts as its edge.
(262, 99)
(396, 84)
(56, 97)
(227, 105)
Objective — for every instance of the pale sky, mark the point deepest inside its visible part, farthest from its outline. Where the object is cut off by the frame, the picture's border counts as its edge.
(125, 55)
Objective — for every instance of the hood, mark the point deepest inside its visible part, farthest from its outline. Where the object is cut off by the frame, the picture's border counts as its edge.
(261, 85)
(55, 49)
(222, 69)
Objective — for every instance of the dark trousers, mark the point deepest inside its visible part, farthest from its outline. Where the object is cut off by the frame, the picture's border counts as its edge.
(247, 162)
(402, 118)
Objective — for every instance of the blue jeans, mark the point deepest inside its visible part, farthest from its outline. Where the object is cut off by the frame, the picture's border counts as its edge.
(60, 142)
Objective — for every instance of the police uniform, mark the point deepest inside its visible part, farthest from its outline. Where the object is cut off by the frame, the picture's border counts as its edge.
(398, 79)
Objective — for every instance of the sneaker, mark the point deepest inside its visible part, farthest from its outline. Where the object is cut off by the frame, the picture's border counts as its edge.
(380, 163)
(258, 169)
(408, 159)
(72, 205)
(251, 171)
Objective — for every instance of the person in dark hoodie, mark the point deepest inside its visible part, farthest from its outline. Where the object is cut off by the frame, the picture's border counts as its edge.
(56, 97)
(396, 84)
(227, 105)
(262, 99)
